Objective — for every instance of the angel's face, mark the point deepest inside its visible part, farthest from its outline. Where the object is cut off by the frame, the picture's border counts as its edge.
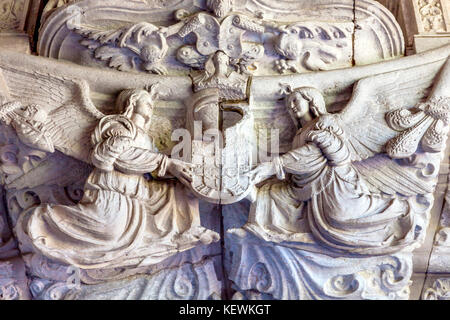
(144, 106)
(298, 107)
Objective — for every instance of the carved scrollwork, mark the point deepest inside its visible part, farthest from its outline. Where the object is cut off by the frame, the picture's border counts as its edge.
(440, 290)
(428, 127)
(43, 289)
(257, 36)
(181, 283)
(258, 269)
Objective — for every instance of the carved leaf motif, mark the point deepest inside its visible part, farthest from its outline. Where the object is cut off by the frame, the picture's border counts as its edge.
(115, 57)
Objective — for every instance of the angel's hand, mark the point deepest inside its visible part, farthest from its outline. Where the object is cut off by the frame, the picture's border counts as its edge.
(181, 170)
(262, 172)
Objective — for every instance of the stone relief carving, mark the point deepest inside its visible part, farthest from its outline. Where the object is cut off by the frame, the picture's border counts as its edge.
(282, 273)
(146, 221)
(298, 221)
(439, 291)
(185, 283)
(12, 14)
(431, 15)
(335, 213)
(333, 164)
(333, 157)
(144, 40)
(259, 37)
(13, 282)
(8, 290)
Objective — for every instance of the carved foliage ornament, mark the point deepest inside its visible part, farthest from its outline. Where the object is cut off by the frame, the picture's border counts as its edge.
(247, 35)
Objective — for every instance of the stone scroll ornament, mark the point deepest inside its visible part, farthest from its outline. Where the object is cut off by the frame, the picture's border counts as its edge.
(124, 219)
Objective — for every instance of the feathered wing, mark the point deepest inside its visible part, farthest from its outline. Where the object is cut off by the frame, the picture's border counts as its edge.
(72, 116)
(367, 132)
(388, 176)
(121, 47)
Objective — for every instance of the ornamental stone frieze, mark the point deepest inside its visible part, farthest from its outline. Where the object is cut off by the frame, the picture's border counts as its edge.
(219, 149)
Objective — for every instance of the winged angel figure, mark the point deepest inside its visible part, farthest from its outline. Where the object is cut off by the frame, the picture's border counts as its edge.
(360, 181)
(123, 218)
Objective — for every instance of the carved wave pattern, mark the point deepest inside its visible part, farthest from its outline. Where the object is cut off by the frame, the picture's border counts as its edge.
(262, 270)
(188, 282)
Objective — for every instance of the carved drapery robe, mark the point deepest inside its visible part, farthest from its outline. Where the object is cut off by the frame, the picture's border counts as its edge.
(324, 195)
(122, 219)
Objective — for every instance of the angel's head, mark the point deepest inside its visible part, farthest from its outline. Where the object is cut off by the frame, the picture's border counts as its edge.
(132, 102)
(305, 102)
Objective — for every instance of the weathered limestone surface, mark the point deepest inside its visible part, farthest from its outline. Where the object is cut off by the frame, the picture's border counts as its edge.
(217, 149)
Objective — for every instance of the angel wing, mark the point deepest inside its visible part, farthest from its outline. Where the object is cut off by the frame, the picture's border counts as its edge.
(121, 47)
(388, 176)
(367, 131)
(363, 119)
(67, 114)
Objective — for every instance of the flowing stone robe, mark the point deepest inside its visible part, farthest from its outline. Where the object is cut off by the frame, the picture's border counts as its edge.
(122, 218)
(325, 195)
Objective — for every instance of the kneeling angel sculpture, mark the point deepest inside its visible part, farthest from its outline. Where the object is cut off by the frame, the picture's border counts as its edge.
(124, 218)
(359, 181)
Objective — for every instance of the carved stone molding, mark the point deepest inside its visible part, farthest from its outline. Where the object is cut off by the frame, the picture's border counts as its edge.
(187, 282)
